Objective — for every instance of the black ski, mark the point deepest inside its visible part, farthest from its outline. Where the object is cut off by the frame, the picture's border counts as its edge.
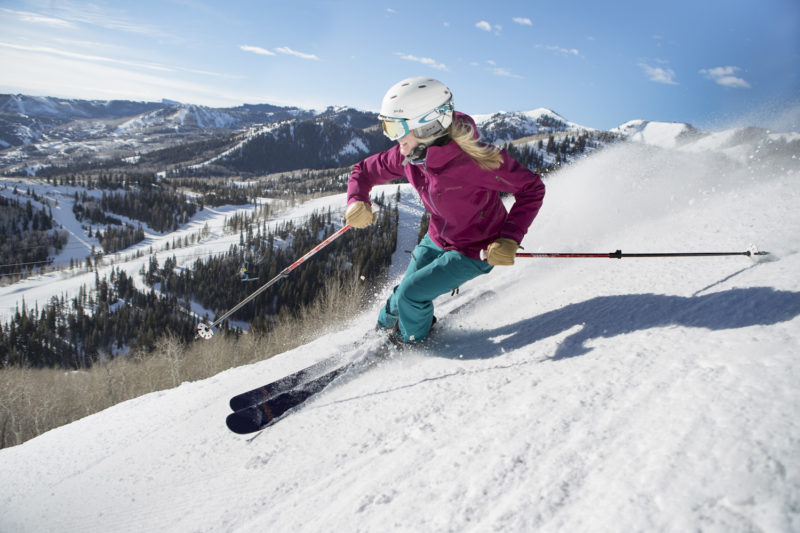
(279, 386)
(304, 375)
(262, 407)
(261, 415)
(268, 411)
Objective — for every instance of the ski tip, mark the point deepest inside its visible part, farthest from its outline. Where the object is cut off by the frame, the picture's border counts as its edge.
(236, 425)
(244, 421)
(248, 399)
(253, 418)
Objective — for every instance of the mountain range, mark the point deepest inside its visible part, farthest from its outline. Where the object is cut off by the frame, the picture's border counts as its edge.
(41, 135)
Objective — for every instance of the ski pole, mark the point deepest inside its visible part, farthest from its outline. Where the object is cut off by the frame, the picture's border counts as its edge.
(206, 331)
(619, 255)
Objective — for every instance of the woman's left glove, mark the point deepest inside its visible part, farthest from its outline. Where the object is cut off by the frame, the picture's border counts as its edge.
(359, 214)
(502, 252)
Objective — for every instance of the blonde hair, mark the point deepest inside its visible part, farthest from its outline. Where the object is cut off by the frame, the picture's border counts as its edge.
(487, 156)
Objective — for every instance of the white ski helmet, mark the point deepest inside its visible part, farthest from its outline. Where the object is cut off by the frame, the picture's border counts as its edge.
(422, 105)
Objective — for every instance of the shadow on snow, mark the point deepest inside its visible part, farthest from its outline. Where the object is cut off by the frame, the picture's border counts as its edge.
(610, 316)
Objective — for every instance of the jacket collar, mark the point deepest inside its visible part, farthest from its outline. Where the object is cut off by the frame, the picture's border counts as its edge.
(439, 156)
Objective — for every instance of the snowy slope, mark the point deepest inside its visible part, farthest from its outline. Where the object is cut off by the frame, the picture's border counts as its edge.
(663, 134)
(37, 290)
(557, 395)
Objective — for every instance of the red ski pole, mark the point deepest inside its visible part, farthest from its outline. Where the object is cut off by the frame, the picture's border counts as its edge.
(206, 331)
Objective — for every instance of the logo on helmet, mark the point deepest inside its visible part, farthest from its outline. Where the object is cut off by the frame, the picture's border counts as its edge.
(430, 117)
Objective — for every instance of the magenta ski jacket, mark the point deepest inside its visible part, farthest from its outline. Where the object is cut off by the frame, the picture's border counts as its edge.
(466, 211)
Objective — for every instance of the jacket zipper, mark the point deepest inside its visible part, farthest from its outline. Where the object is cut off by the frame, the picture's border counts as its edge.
(503, 180)
(430, 199)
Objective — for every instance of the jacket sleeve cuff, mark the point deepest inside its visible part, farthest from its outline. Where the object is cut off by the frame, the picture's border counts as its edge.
(511, 231)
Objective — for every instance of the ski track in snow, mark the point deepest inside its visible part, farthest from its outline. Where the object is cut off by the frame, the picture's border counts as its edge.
(556, 395)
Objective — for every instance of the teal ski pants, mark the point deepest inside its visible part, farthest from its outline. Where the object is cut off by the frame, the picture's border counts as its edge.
(431, 272)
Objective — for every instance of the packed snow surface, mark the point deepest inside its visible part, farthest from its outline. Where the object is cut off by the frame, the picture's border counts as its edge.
(556, 395)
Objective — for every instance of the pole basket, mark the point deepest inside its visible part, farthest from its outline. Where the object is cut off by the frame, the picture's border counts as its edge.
(204, 331)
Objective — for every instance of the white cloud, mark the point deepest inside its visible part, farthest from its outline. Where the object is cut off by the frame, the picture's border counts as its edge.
(559, 49)
(500, 71)
(257, 50)
(48, 51)
(33, 69)
(504, 72)
(36, 53)
(424, 60)
(525, 21)
(725, 76)
(658, 74)
(36, 18)
(283, 50)
(288, 51)
(104, 16)
(485, 26)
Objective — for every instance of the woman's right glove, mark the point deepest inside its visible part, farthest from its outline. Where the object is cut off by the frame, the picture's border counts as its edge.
(502, 252)
(359, 214)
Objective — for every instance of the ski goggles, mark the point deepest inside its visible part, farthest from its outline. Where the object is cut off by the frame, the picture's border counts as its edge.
(396, 128)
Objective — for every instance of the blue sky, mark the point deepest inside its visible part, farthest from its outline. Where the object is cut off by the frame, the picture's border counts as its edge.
(711, 63)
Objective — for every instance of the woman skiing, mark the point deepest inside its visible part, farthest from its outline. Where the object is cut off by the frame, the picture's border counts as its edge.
(459, 180)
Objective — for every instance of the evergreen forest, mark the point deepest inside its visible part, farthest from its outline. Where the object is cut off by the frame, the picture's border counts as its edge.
(113, 317)
(27, 238)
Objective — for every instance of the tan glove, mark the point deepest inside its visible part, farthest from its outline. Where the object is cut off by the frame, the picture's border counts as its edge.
(502, 252)
(359, 214)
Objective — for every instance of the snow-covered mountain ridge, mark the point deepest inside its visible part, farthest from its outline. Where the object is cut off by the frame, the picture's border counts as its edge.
(179, 117)
(70, 135)
(66, 110)
(557, 395)
(507, 126)
(138, 117)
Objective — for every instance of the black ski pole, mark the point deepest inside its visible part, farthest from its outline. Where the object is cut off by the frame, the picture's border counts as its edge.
(619, 255)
